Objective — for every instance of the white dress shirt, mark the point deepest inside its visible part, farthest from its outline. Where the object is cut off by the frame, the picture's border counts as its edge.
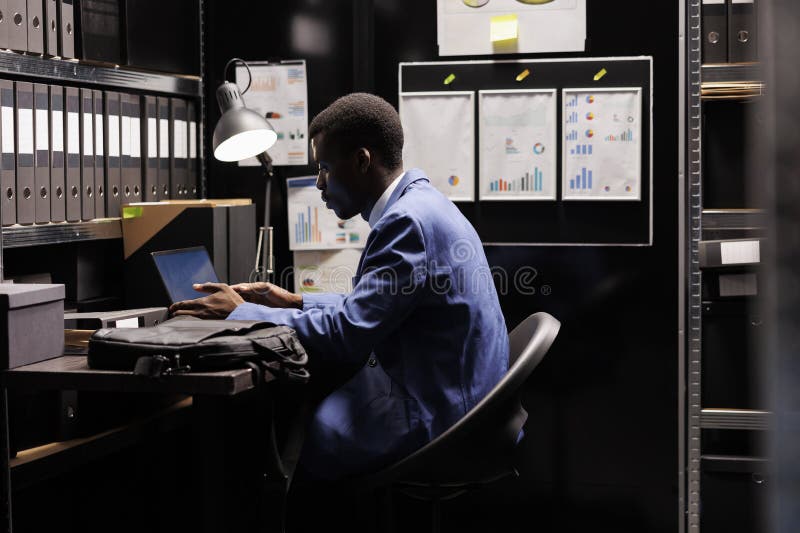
(380, 205)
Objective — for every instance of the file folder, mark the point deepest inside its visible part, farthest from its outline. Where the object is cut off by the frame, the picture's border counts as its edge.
(150, 148)
(57, 186)
(136, 147)
(112, 146)
(5, 21)
(100, 188)
(742, 31)
(73, 141)
(66, 29)
(163, 148)
(178, 160)
(8, 163)
(51, 27)
(18, 27)
(26, 206)
(87, 155)
(715, 31)
(194, 168)
(100, 30)
(41, 170)
(35, 27)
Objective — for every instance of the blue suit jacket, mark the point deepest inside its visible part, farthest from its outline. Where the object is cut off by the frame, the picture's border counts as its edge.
(424, 320)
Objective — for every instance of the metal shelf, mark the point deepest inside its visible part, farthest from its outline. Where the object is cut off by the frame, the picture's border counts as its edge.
(748, 419)
(722, 224)
(731, 81)
(63, 232)
(71, 71)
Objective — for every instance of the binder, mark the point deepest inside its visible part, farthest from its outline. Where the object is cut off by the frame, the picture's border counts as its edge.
(57, 185)
(87, 155)
(193, 182)
(66, 29)
(163, 148)
(112, 148)
(100, 30)
(742, 43)
(8, 164)
(715, 31)
(100, 187)
(41, 169)
(5, 21)
(26, 206)
(125, 148)
(51, 27)
(150, 149)
(178, 160)
(35, 27)
(136, 147)
(18, 25)
(73, 141)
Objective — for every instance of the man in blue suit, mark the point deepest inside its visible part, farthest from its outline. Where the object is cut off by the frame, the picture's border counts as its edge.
(423, 322)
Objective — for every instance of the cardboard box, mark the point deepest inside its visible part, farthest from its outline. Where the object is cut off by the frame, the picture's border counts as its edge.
(31, 323)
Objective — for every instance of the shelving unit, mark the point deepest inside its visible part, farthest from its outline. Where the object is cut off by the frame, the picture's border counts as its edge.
(731, 81)
(60, 233)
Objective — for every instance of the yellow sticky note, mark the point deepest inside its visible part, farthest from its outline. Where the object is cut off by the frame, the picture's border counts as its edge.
(449, 79)
(524, 74)
(504, 28)
(600, 74)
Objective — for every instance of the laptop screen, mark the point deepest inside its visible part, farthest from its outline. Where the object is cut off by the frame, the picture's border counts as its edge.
(179, 269)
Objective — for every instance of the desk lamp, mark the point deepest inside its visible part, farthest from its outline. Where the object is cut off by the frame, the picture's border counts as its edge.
(240, 134)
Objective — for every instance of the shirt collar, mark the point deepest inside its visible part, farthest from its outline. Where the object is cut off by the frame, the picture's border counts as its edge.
(380, 205)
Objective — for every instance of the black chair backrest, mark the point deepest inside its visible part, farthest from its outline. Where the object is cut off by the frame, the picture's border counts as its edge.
(469, 439)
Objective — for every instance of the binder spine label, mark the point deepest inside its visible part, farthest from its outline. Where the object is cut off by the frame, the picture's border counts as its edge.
(58, 131)
(88, 138)
(98, 135)
(113, 136)
(73, 136)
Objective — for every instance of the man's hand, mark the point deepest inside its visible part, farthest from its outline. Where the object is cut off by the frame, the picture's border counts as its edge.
(264, 293)
(219, 304)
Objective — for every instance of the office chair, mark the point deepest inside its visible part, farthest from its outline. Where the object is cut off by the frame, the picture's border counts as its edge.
(479, 448)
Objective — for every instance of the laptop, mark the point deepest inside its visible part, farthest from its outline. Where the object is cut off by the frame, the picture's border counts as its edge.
(180, 268)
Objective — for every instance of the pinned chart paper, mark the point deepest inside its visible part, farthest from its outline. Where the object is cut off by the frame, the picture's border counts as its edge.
(312, 226)
(543, 26)
(439, 132)
(279, 92)
(325, 271)
(518, 145)
(602, 149)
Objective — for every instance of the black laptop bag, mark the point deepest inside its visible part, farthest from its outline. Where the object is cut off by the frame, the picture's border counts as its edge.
(188, 344)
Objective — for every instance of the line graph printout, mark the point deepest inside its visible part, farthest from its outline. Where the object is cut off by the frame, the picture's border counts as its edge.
(518, 132)
(602, 148)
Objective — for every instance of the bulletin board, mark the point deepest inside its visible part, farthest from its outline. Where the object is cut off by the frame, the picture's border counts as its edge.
(561, 150)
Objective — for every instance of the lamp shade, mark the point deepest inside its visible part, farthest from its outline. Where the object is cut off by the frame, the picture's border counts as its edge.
(240, 133)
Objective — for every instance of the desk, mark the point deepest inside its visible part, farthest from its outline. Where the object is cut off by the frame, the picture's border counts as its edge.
(208, 391)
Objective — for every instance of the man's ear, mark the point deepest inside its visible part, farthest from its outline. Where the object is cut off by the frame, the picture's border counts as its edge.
(363, 159)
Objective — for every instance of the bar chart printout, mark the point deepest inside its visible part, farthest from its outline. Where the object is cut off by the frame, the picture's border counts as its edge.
(518, 140)
(312, 226)
(602, 148)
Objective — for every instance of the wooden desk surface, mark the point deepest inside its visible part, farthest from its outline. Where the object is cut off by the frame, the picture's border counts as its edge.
(71, 372)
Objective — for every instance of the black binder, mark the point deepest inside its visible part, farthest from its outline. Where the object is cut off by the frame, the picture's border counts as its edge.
(193, 180)
(41, 100)
(178, 163)
(112, 150)
(715, 31)
(100, 187)
(57, 186)
(100, 30)
(125, 148)
(8, 163)
(72, 134)
(5, 21)
(742, 31)
(51, 27)
(26, 205)
(66, 29)
(35, 27)
(18, 27)
(136, 147)
(163, 148)
(87, 155)
(150, 149)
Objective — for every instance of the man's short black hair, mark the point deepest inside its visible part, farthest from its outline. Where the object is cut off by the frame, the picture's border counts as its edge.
(362, 120)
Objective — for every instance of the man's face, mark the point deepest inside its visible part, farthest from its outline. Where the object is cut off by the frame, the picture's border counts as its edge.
(342, 178)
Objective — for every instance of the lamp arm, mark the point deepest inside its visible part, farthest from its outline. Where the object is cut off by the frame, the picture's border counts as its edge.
(266, 231)
(233, 61)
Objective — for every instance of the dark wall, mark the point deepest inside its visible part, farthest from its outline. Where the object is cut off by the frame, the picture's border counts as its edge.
(602, 445)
